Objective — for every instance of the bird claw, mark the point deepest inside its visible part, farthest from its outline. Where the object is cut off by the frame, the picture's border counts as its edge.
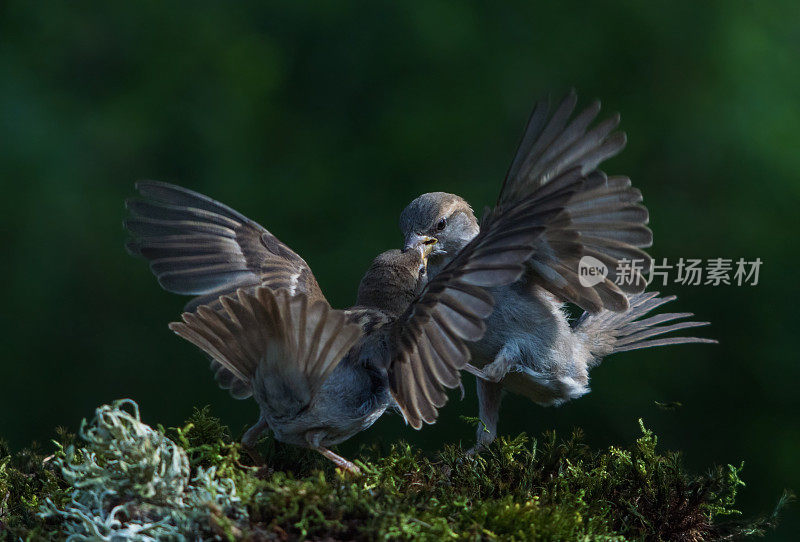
(486, 373)
(471, 369)
(350, 467)
(475, 450)
(339, 461)
(251, 452)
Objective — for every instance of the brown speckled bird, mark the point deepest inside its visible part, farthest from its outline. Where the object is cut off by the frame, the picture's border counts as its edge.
(321, 375)
(530, 347)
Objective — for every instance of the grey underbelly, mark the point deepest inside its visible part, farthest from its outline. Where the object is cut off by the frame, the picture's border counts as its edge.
(546, 361)
(534, 324)
(350, 400)
(335, 431)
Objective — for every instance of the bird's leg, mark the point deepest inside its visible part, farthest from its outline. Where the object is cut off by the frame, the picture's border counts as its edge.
(471, 369)
(340, 461)
(250, 439)
(499, 368)
(495, 371)
(490, 394)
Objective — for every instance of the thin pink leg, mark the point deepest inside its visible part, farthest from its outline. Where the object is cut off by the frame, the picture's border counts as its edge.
(340, 461)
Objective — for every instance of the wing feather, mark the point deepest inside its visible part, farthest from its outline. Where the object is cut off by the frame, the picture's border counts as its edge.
(604, 220)
(451, 309)
(199, 246)
(289, 341)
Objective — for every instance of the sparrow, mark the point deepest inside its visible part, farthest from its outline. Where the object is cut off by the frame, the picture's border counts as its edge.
(530, 347)
(320, 375)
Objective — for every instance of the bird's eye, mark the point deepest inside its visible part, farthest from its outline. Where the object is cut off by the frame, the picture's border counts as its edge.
(442, 224)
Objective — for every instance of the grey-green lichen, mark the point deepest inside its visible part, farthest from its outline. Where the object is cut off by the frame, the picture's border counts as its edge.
(131, 482)
(123, 480)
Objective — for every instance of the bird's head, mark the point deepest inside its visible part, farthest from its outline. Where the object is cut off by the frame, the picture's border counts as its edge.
(445, 220)
(394, 279)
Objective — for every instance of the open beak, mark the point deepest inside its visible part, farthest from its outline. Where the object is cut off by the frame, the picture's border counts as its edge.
(427, 247)
(415, 240)
(424, 250)
(424, 244)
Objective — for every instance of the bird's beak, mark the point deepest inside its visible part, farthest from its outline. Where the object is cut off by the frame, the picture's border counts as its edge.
(427, 248)
(424, 251)
(414, 240)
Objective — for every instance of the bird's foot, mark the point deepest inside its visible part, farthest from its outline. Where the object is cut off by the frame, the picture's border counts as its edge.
(471, 369)
(254, 455)
(491, 373)
(339, 461)
(250, 442)
(485, 438)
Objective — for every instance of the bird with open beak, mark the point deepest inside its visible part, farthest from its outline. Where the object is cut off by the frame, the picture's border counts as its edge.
(320, 375)
(530, 347)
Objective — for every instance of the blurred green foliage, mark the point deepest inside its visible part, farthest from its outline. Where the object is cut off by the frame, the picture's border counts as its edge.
(322, 120)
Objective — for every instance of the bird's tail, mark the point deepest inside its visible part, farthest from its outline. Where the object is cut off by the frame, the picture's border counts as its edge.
(608, 332)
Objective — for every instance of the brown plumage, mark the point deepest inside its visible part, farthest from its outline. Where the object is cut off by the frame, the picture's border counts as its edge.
(320, 375)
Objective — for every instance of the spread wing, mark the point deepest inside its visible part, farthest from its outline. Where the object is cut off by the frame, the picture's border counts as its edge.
(553, 144)
(198, 246)
(607, 219)
(450, 310)
(292, 343)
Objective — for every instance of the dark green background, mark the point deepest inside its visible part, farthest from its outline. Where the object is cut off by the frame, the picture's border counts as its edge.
(322, 121)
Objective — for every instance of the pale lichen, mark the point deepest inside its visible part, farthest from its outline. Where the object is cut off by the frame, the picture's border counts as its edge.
(131, 482)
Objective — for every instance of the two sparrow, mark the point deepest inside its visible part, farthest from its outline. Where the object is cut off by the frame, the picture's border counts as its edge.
(320, 375)
(483, 297)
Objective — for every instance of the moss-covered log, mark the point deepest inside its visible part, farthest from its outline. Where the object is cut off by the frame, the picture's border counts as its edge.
(122, 478)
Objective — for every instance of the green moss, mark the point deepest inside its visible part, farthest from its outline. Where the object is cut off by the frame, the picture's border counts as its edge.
(124, 477)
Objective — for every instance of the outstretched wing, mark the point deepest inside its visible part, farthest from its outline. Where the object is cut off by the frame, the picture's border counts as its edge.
(607, 219)
(553, 144)
(198, 246)
(430, 335)
(292, 343)
(604, 225)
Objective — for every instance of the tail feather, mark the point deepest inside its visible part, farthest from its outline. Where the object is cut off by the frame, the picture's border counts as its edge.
(636, 340)
(610, 332)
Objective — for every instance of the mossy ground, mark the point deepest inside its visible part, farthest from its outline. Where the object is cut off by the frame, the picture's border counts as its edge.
(548, 488)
